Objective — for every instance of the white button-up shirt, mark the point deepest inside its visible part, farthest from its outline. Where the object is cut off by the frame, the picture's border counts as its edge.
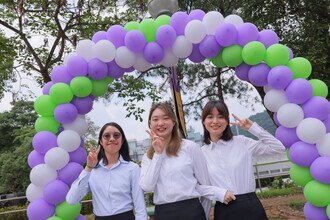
(230, 162)
(115, 190)
(177, 178)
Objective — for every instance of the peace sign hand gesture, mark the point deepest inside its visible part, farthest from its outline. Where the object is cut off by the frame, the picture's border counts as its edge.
(243, 123)
(157, 142)
(92, 156)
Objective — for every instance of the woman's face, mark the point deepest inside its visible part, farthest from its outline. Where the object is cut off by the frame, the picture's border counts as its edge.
(112, 140)
(215, 123)
(161, 124)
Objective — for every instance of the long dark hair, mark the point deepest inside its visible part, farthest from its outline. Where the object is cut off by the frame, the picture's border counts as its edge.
(124, 150)
(223, 110)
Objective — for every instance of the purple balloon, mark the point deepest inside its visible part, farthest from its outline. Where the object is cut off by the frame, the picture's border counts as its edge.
(55, 192)
(65, 113)
(209, 47)
(43, 141)
(276, 119)
(35, 158)
(196, 14)
(326, 122)
(129, 69)
(46, 88)
(242, 71)
(40, 209)
(153, 53)
(83, 105)
(196, 55)
(135, 41)
(165, 36)
(78, 156)
(226, 34)
(287, 136)
(258, 74)
(290, 53)
(280, 77)
(315, 213)
(246, 33)
(268, 37)
(299, 91)
(97, 69)
(77, 66)
(303, 154)
(178, 21)
(320, 170)
(70, 172)
(100, 35)
(316, 107)
(61, 74)
(116, 34)
(115, 71)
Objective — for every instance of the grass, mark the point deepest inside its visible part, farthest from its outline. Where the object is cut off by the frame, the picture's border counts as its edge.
(279, 192)
(296, 205)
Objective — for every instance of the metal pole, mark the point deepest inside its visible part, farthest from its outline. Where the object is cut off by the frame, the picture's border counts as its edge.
(258, 178)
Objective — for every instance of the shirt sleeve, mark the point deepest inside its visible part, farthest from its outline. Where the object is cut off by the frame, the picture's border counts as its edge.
(138, 196)
(150, 170)
(267, 143)
(79, 188)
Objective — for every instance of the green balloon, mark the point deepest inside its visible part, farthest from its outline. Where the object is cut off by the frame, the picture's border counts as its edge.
(81, 86)
(148, 28)
(300, 175)
(108, 79)
(328, 211)
(232, 55)
(44, 105)
(100, 87)
(301, 67)
(47, 124)
(276, 55)
(67, 211)
(318, 194)
(162, 20)
(132, 25)
(253, 53)
(54, 218)
(218, 61)
(319, 88)
(60, 93)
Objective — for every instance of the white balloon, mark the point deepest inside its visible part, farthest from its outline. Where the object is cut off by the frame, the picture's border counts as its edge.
(211, 21)
(68, 140)
(57, 158)
(141, 64)
(274, 99)
(195, 31)
(104, 50)
(79, 125)
(68, 56)
(85, 48)
(311, 130)
(267, 88)
(42, 174)
(234, 19)
(323, 146)
(169, 59)
(290, 115)
(124, 57)
(182, 48)
(33, 192)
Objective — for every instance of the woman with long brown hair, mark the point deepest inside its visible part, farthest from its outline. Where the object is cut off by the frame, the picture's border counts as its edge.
(176, 171)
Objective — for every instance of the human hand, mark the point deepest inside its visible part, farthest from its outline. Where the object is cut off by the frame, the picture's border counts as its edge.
(92, 156)
(157, 142)
(243, 123)
(229, 197)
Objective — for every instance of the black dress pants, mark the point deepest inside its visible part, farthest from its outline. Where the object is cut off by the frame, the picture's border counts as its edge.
(129, 215)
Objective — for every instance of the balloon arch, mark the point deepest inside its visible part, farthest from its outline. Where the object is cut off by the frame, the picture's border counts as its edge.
(300, 105)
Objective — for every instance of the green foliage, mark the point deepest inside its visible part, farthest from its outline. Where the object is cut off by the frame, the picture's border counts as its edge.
(279, 192)
(14, 215)
(297, 205)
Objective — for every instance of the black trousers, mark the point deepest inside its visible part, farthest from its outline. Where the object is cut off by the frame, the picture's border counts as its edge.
(190, 209)
(245, 207)
(129, 215)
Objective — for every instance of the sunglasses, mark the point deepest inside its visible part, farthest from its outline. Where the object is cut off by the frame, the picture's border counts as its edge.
(115, 135)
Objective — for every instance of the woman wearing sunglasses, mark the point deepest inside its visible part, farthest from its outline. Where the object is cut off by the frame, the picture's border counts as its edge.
(112, 178)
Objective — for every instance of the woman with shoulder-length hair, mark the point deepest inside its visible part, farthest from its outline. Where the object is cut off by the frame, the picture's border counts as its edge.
(112, 178)
(175, 170)
(229, 160)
